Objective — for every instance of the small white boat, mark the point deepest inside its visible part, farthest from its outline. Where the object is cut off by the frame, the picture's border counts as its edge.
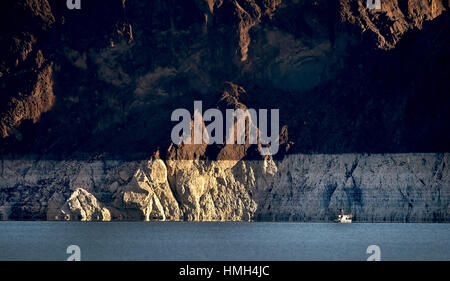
(344, 218)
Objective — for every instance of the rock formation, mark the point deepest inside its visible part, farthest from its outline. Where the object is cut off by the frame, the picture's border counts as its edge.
(86, 98)
(82, 206)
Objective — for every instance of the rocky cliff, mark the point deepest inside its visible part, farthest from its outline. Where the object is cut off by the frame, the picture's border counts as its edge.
(86, 98)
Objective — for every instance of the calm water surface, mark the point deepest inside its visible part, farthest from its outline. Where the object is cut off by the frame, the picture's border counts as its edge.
(222, 241)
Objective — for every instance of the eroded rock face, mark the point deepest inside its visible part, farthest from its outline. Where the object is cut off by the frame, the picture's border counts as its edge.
(213, 190)
(27, 76)
(148, 195)
(30, 104)
(374, 188)
(398, 17)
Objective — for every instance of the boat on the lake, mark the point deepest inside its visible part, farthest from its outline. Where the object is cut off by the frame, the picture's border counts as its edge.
(344, 218)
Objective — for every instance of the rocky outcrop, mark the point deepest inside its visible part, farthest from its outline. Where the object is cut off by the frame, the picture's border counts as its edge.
(83, 206)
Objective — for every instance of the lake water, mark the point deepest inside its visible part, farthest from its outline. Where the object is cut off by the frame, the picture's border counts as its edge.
(222, 241)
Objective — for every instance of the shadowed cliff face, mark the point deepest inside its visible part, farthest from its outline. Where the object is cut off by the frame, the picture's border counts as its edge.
(100, 84)
(105, 79)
